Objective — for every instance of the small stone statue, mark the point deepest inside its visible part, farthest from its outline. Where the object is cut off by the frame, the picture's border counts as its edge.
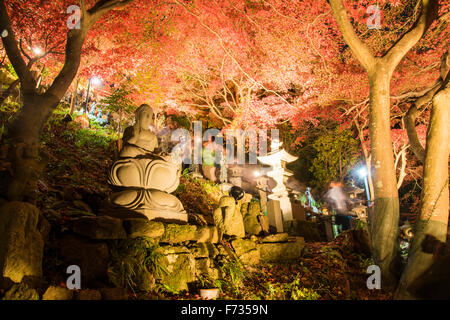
(228, 217)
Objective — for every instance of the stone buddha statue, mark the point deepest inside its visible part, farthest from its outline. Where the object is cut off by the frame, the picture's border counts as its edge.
(139, 139)
(146, 175)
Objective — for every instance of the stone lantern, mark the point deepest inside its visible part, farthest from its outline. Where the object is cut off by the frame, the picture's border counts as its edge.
(277, 159)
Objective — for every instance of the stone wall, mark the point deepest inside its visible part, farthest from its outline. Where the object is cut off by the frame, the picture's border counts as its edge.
(183, 253)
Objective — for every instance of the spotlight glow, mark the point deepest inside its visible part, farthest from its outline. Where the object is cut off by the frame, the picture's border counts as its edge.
(362, 172)
(96, 81)
(37, 51)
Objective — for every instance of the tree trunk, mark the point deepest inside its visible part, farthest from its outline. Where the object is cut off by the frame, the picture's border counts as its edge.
(435, 200)
(74, 96)
(23, 136)
(9, 91)
(384, 222)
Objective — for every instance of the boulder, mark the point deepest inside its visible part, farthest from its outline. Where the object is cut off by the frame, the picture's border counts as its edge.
(247, 251)
(202, 266)
(57, 293)
(207, 234)
(143, 228)
(21, 243)
(278, 237)
(281, 251)
(21, 291)
(177, 233)
(251, 258)
(102, 227)
(180, 268)
(242, 246)
(92, 257)
(204, 250)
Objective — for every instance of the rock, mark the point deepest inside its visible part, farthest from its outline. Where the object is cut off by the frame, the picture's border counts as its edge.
(102, 227)
(205, 267)
(246, 250)
(21, 291)
(242, 246)
(202, 266)
(90, 256)
(88, 294)
(181, 270)
(166, 250)
(21, 243)
(132, 262)
(176, 233)
(273, 252)
(251, 222)
(204, 250)
(251, 258)
(278, 237)
(57, 293)
(114, 294)
(143, 228)
(207, 234)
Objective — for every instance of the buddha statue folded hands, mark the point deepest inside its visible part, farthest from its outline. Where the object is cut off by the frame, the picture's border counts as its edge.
(147, 175)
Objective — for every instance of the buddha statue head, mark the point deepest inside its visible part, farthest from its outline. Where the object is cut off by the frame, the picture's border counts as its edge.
(144, 116)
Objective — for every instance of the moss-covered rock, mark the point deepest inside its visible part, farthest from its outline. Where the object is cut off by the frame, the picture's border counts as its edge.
(204, 250)
(202, 266)
(177, 233)
(57, 293)
(21, 243)
(281, 251)
(135, 263)
(278, 237)
(21, 291)
(207, 234)
(206, 268)
(180, 269)
(143, 228)
(251, 258)
(242, 246)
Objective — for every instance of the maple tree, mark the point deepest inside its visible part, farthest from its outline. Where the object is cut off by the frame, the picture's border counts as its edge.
(249, 64)
(25, 130)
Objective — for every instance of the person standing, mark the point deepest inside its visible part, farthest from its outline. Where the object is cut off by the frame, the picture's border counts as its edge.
(336, 198)
(208, 160)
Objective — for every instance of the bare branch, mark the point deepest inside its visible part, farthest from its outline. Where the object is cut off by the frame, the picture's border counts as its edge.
(11, 47)
(396, 53)
(358, 47)
(413, 112)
